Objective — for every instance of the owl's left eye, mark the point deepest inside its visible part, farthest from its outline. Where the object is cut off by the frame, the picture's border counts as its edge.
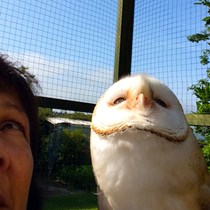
(160, 102)
(119, 100)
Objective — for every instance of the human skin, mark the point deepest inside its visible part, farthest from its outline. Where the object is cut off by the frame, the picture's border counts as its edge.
(16, 162)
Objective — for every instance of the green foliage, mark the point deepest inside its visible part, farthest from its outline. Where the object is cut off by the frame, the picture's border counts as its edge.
(202, 88)
(206, 152)
(203, 2)
(45, 112)
(74, 155)
(77, 116)
(30, 78)
(44, 128)
(67, 175)
(74, 148)
(80, 177)
(69, 159)
(85, 177)
(44, 132)
(77, 201)
(42, 159)
(203, 36)
(65, 153)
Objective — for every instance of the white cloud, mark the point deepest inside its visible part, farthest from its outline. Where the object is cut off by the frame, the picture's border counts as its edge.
(60, 78)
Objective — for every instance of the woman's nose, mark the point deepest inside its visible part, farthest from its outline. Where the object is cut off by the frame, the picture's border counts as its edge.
(4, 157)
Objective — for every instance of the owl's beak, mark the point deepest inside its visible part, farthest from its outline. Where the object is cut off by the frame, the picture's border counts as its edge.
(142, 100)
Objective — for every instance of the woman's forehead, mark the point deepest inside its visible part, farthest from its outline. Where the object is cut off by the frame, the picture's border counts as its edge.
(9, 99)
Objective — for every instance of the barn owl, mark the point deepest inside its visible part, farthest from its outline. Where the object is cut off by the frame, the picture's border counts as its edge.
(144, 154)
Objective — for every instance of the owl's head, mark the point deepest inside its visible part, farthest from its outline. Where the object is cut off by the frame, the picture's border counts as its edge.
(140, 102)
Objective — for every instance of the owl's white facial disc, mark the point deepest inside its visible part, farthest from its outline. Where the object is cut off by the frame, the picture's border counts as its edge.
(140, 102)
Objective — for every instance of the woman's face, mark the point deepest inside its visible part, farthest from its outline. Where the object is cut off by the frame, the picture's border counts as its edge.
(16, 162)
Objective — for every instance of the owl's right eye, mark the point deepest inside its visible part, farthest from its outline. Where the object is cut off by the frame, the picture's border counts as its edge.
(119, 100)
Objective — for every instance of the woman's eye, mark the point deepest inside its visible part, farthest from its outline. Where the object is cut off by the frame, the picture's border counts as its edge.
(160, 102)
(119, 100)
(11, 126)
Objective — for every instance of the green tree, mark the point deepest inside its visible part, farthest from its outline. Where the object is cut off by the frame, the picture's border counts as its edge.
(44, 132)
(72, 164)
(45, 112)
(202, 89)
(77, 116)
(74, 148)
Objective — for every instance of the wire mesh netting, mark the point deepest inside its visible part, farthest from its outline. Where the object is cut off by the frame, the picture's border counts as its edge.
(68, 45)
(161, 47)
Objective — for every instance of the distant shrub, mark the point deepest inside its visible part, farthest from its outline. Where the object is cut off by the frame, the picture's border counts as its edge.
(74, 148)
(206, 152)
(80, 177)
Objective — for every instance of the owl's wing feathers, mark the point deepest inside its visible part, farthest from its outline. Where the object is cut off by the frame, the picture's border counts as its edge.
(103, 203)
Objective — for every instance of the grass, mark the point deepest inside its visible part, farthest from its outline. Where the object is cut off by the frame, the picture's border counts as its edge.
(78, 201)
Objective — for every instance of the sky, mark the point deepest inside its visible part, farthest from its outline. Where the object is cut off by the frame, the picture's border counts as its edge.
(161, 47)
(70, 45)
